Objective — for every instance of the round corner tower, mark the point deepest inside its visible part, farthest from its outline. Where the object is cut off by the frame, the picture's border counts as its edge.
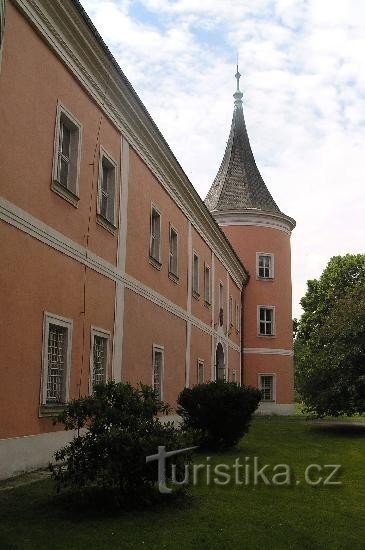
(260, 234)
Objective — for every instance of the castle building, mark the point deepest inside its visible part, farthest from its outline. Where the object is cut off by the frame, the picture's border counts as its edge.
(112, 267)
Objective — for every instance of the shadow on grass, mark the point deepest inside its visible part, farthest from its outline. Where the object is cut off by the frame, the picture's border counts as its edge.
(340, 430)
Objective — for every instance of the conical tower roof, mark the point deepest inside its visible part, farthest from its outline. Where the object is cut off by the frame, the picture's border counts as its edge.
(238, 184)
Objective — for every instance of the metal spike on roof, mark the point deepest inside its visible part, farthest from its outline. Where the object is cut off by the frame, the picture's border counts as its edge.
(238, 184)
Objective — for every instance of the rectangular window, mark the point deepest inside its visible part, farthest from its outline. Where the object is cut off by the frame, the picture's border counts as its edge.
(67, 153)
(207, 285)
(157, 370)
(173, 256)
(155, 237)
(238, 317)
(266, 321)
(99, 357)
(200, 371)
(106, 190)
(265, 266)
(57, 339)
(221, 310)
(230, 311)
(195, 274)
(266, 384)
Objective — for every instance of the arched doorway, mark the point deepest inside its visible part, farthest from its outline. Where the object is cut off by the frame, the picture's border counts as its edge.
(219, 363)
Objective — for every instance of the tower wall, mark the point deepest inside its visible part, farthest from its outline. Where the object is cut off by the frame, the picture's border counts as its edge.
(267, 355)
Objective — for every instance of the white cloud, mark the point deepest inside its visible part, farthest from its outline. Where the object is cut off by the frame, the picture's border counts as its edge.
(304, 101)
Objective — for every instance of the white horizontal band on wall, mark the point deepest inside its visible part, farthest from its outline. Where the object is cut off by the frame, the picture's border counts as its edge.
(268, 351)
(15, 216)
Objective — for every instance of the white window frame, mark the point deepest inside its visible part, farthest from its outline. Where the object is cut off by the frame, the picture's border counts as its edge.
(157, 262)
(207, 288)
(221, 302)
(231, 311)
(238, 317)
(200, 363)
(69, 193)
(259, 385)
(156, 348)
(273, 321)
(108, 224)
(52, 319)
(195, 289)
(271, 267)
(96, 331)
(171, 272)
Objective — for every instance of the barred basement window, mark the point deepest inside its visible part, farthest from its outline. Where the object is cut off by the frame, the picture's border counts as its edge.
(99, 357)
(106, 190)
(266, 321)
(266, 384)
(265, 266)
(200, 372)
(157, 370)
(66, 164)
(57, 340)
(155, 236)
(173, 253)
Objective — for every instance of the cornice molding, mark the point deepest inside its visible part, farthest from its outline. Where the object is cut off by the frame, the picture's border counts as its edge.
(259, 218)
(71, 37)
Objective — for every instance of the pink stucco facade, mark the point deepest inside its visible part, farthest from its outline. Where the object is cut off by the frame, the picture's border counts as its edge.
(68, 269)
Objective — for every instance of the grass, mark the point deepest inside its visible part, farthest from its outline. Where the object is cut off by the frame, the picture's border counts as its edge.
(234, 517)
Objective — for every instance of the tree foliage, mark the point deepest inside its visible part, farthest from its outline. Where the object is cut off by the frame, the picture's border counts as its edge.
(218, 412)
(116, 429)
(330, 339)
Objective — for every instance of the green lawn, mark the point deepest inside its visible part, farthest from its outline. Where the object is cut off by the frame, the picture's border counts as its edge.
(229, 517)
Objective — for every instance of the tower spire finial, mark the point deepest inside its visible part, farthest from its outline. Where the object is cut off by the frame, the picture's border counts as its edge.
(238, 94)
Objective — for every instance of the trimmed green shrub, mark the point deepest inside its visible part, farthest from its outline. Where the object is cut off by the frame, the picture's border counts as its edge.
(219, 412)
(110, 454)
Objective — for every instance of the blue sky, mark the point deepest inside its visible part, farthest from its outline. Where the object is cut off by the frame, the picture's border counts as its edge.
(304, 101)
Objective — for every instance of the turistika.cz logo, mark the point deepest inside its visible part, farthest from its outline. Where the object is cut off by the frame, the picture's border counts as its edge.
(244, 472)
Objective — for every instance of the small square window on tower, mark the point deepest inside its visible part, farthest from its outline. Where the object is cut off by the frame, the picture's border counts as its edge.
(264, 265)
(267, 387)
(266, 320)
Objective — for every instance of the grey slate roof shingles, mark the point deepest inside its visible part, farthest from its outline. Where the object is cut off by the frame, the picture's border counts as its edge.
(238, 184)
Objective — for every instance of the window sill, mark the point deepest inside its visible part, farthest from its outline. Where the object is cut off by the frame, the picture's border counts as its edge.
(196, 295)
(266, 279)
(65, 193)
(50, 411)
(268, 401)
(174, 278)
(266, 335)
(106, 224)
(155, 263)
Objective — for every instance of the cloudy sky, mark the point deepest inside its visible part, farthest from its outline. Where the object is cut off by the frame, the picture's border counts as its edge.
(304, 101)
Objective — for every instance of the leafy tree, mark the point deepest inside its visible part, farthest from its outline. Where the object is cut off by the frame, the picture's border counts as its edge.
(330, 340)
